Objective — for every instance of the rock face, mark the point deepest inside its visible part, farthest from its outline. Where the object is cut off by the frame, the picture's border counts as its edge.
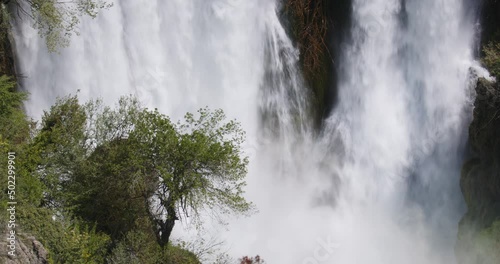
(28, 250)
(479, 231)
(480, 181)
(490, 20)
(319, 27)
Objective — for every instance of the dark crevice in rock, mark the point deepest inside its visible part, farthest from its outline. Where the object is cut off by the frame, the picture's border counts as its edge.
(490, 21)
(339, 12)
(319, 28)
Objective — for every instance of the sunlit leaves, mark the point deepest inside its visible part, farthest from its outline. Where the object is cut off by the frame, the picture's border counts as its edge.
(110, 166)
(57, 21)
(492, 58)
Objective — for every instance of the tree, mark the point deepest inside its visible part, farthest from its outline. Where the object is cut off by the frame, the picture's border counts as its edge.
(14, 125)
(66, 240)
(86, 166)
(199, 165)
(93, 179)
(57, 21)
(59, 147)
(14, 132)
(113, 167)
(108, 189)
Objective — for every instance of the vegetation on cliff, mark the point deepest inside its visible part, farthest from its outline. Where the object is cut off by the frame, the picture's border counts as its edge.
(97, 184)
(309, 26)
(319, 28)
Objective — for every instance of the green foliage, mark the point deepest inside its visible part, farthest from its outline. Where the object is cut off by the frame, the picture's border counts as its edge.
(492, 58)
(98, 184)
(107, 186)
(140, 247)
(4, 24)
(115, 208)
(66, 240)
(177, 255)
(135, 248)
(206, 247)
(199, 163)
(156, 167)
(14, 133)
(117, 167)
(14, 126)
(60, 144)
(57, 21)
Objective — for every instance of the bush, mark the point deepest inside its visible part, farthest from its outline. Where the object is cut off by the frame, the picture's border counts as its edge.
(492, 58)
(177, 255)
(140, 247)
(135, 248)
(252, 260)
(66, 240)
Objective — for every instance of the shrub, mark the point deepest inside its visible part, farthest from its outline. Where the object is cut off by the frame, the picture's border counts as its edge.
(491, 58)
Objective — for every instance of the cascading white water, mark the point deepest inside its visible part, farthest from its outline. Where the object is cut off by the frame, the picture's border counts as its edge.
(402, 113)
(379, 185)
(176, 55)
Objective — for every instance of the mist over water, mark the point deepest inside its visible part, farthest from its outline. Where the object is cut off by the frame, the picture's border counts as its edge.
(404, 103)
(379, 183)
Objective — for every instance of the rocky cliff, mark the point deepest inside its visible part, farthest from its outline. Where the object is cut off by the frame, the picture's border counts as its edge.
(27, 250)
(479, 232)
(318, 28)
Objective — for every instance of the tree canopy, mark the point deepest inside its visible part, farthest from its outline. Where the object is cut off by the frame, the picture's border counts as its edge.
(118, 167)
(198, 164)
(56, 21)
(101, 184)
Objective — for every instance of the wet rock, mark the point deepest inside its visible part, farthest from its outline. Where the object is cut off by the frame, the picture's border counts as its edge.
(480, 180)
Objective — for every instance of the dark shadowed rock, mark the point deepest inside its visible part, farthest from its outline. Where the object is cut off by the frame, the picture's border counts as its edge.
(480, 181)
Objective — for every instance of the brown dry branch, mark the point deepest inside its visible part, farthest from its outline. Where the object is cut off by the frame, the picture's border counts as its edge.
(309, 26)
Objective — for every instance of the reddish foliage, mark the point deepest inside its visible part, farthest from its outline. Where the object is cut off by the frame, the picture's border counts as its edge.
(251, 260)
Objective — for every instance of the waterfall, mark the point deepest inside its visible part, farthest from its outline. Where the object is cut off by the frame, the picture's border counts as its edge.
(379, 183)
(404, 104)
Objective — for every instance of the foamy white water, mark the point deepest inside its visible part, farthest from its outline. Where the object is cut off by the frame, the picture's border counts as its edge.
(404, 104)
(380, 183)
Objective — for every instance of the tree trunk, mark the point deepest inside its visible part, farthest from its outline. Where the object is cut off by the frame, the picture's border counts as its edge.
(166, 226)
(162, 228)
